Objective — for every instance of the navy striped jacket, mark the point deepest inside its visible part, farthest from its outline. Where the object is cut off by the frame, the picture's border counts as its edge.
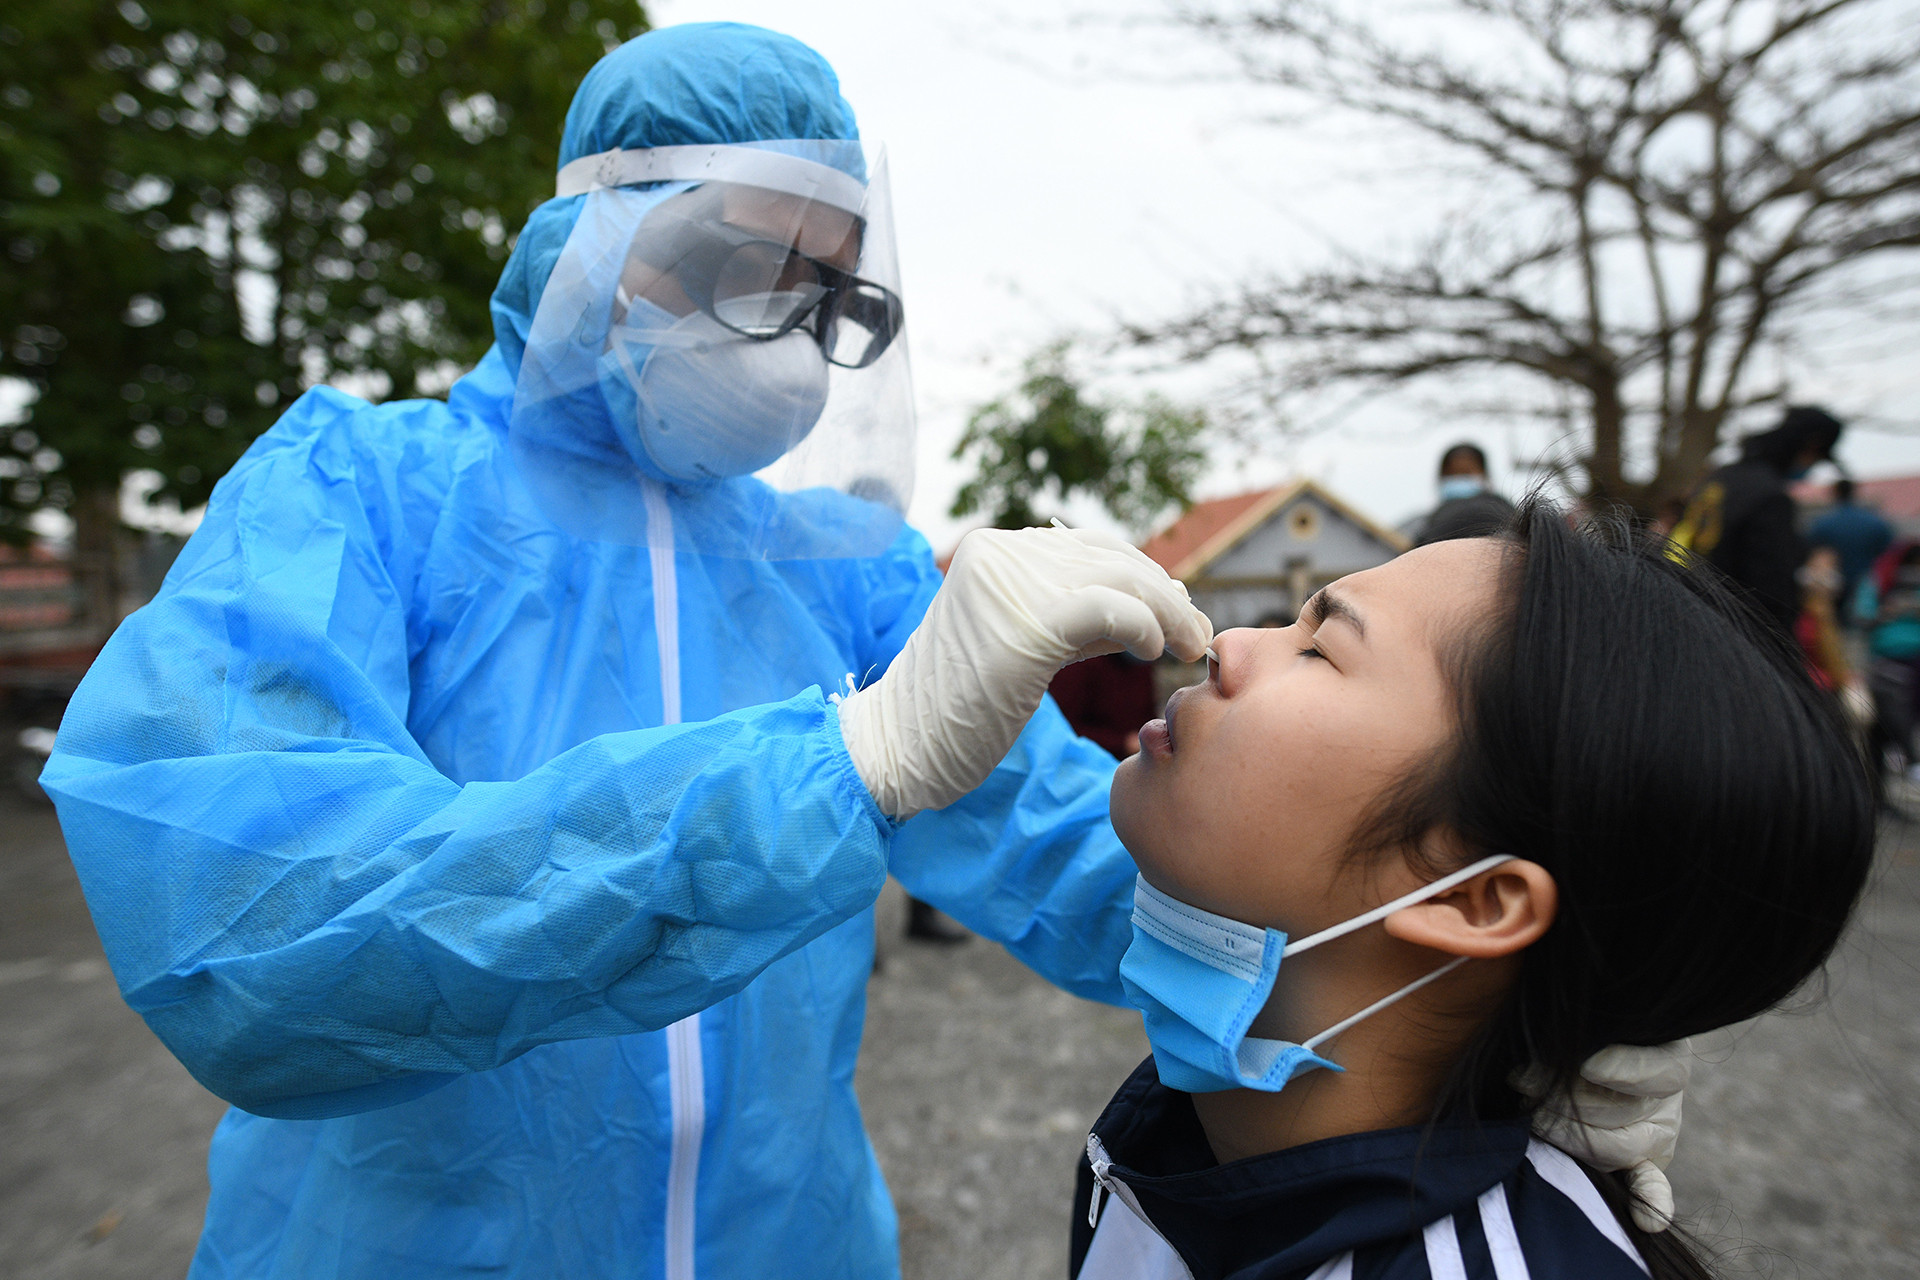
(1487, 1202)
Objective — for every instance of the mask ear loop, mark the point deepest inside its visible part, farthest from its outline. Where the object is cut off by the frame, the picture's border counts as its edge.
(1334, 1030)
(1380, 913)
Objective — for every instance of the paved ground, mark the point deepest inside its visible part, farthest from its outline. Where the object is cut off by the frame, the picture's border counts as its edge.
(1801, 1156)
(102, 1171)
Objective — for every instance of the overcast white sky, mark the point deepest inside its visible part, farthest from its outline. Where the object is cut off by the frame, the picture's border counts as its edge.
(1037, 190)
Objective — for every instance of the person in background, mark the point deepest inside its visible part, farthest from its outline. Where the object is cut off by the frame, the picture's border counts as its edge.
(1469, 508)
(928, 923)
(1667, 516)
(1741, 518)
(1107, 699)
(1889, 602)
(1858, 535)
(1818, 631)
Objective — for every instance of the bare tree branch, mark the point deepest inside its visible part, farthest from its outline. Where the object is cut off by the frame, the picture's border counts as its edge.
(1679, 182)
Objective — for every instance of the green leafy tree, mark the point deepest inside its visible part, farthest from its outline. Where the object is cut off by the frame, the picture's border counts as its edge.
(1050, 440)
(209, 205)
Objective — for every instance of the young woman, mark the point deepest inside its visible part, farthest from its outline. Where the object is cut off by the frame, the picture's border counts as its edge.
(1541, 794)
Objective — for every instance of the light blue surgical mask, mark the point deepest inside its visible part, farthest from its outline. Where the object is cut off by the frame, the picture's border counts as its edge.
(1453, 487)
(1200, 979)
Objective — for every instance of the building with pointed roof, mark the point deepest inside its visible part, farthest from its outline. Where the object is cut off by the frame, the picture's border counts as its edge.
(1253, 559)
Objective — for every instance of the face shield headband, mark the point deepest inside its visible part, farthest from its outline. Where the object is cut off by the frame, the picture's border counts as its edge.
(724, 322)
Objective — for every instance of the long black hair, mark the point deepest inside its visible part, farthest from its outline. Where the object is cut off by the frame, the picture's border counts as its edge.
(1635, 729)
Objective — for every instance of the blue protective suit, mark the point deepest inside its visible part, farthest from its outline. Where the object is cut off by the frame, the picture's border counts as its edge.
(388, 836)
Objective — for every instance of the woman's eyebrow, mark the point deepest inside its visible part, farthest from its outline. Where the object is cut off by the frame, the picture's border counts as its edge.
(1325, 605)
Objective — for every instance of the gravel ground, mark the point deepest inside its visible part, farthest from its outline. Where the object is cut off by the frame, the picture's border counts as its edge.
(1801, 1155)
(103, 1170)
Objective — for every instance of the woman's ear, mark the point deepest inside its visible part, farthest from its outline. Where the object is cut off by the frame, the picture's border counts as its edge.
(1499, 912)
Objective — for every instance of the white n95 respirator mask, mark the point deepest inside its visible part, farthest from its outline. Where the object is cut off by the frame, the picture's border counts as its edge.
(701, 402)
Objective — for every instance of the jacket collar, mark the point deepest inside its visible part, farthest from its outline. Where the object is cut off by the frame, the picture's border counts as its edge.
(1289, 1211)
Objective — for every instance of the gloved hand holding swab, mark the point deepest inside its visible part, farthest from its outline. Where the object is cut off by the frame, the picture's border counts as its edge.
(1017, 606)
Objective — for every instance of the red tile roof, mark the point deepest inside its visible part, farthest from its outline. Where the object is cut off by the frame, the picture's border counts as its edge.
(1177, 544)
(1209, 529)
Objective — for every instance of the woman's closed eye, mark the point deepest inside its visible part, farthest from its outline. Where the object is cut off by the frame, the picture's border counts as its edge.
(1312, 652)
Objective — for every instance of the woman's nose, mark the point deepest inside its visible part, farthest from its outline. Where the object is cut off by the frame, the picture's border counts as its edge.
(1230, 649)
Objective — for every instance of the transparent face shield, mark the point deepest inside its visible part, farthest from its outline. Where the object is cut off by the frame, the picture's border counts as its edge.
(724, 328)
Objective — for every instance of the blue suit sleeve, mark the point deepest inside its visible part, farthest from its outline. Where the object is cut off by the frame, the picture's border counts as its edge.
(313, 918)
(1028, 859)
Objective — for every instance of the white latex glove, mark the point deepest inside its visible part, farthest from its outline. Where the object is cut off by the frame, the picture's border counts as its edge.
(1624, 1113)
(1017, 606)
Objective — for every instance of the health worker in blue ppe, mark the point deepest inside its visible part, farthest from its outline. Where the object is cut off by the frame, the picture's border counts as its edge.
(473, 809)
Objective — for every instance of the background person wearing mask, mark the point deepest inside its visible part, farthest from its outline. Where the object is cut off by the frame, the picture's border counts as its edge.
(467, 808)
(1890, 603)
(1741, 518)
(1468, 506)
(1859, 536)
(1818, 631)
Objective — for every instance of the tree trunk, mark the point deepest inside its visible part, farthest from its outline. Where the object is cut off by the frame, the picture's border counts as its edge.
(1699, 435)
(1606, 473)
(97, 553)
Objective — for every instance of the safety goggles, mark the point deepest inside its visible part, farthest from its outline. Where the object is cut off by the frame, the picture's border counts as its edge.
(765, 289)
